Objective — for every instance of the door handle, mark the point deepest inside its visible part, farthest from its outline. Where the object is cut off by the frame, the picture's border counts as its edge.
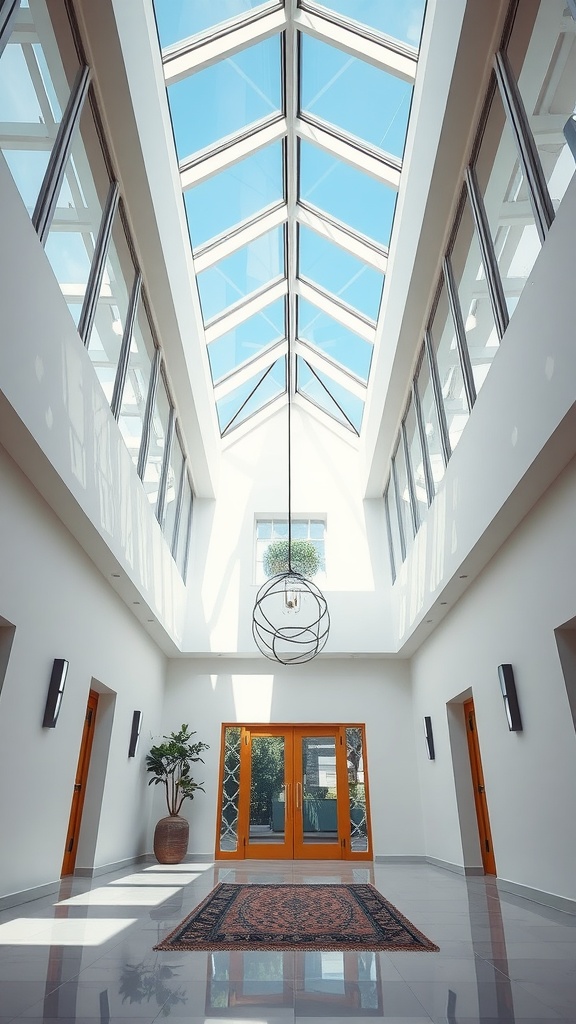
(77, 787)
(298, 796)
(480, 788)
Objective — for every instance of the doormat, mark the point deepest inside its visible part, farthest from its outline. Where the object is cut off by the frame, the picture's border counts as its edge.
(326, 917)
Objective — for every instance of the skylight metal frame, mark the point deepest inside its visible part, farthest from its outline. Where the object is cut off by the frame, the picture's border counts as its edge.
(292, 22)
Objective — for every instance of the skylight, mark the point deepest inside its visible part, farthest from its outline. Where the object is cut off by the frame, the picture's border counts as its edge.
(289, 124)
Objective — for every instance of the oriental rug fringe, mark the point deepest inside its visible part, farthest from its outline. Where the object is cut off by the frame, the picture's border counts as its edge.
(289, 916)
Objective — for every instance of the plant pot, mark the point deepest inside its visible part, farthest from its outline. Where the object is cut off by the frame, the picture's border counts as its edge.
(171, 839)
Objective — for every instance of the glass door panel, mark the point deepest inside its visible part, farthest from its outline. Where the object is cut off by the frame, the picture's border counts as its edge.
(317, 828)
(269, 832)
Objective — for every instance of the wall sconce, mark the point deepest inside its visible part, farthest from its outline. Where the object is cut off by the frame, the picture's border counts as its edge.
(429, 737)
(135, 733)
(55, 693)
(508, 687)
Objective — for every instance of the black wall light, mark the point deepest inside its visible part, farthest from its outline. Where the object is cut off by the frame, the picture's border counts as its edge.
(135, 733)
(508, 687)
(55, 693)
(429, 736)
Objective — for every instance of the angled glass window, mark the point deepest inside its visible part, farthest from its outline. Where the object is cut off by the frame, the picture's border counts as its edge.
(245, 271)
(226, 97)
(135, 393)
(112, 307)
(403, 494)
(506, 198)
(337, 271)
(402, 21)
(481, 334)
(344, 192)
(443, 334)
(417, 469)
(247, 340)
(175, 470)
(252, 396)
(339, 344)
(396, 557)
(178, 19)
(337, 401)
(159, 427)
(430, 421)
(183, 539)
(71, 241)
(235, 195)
(333, 81)
(35, 84)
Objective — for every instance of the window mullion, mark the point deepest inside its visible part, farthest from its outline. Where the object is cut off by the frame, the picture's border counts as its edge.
(96, 274)
(146, 427)
(430, 490)
(403, 547)
(446, 446)
(50, 190)
(169, 440)
(179, 504)
(389, 532)
(491, 269)
(410, 478)
(8, 13)
(463, 352)
(124, 359)
(529, 158)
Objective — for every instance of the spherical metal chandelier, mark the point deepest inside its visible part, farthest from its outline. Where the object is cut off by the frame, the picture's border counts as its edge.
(290, 621)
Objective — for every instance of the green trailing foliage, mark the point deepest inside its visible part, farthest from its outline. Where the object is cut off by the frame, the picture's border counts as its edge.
(304, 558)
(170, 763)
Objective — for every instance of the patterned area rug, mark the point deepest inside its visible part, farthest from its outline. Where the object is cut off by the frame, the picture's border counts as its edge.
(338, 917)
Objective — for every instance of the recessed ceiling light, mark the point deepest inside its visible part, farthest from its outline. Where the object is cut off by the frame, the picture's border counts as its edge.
(116, 575)
(135, 602)
(150, 620)
(428, 620)
(443, 602)
(464, 577)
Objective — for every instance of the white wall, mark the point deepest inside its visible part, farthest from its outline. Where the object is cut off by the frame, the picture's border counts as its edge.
(62, 607)
(207, 692)
(253, 484)
(55, 421)
(509, 616)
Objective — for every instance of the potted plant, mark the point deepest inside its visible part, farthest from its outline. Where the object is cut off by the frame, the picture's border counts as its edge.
(304, 558)
(169, 763)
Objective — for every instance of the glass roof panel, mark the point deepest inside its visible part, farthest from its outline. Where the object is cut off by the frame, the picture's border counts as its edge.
(245, 271)
(337, 271)
(354, 95)
(339, 344)
(226, 97)
(234, 195)
(339, 403)
(252, 396)
(179, 19)
(247, 340)
(400, 20)
(346, 193)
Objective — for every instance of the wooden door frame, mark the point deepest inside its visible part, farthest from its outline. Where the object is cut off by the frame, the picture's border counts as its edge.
(80, 780)
(480, 800)
(275, 728)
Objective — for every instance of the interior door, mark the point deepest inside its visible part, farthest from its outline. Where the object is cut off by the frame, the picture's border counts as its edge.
(480, 800)
(319, 819)
(267, 805)
(80, 780)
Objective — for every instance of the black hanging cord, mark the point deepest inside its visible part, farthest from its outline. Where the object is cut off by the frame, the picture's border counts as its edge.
(289, 388)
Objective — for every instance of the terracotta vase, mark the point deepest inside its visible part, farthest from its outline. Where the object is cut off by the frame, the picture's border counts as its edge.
(171, 839)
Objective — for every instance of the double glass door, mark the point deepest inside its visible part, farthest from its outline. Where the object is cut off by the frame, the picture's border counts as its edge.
(293, 792)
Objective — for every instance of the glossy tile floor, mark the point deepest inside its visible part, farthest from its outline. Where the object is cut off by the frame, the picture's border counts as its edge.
(86, 954)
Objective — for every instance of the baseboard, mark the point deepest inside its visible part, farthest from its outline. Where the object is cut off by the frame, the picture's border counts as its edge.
(459, 869)
(384, 858)
(547, 899)
(106, 869)
(13, 899)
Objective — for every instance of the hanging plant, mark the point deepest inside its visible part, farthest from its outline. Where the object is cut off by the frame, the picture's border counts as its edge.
(305, 558)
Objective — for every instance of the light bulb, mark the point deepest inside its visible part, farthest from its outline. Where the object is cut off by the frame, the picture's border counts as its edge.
(291, 600)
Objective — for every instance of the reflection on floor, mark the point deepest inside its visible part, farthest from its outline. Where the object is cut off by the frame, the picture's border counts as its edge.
(86, 955)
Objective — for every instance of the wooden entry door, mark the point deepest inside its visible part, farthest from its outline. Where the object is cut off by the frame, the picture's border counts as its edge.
(80, 786)
(292, 791)
(480, 801)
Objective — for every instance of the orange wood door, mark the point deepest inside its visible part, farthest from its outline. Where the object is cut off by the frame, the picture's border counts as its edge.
(480, 800)
(267, 797)
(80, 786)
(320, 793)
